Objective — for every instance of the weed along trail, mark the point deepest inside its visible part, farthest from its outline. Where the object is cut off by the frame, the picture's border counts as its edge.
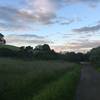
(89, 85)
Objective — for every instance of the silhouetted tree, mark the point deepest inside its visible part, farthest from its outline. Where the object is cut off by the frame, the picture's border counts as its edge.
(44, 52)
(2, 40)
(46, 47)
(26, 52)
(95, 56)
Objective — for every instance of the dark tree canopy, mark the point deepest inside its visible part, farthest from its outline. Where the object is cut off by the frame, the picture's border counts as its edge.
(2, 40)
(95, 56)
(46, 47)
(1, 35)
(43, 52)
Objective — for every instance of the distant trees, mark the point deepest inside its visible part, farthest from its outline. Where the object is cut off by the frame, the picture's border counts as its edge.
(41, 52)
(25, 52)
(74, 57)
(42, 48)
(2, 40)
(44, 52)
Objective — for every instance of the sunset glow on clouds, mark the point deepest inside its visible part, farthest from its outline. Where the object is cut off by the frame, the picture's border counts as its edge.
(66, 25)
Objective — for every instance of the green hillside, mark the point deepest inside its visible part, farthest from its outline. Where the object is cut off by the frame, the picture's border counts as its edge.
(10, 47)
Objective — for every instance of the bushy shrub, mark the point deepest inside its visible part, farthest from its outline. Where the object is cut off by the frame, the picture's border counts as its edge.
(95, 56)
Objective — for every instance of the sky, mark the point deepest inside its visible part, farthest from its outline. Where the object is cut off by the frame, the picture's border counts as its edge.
(66, 25)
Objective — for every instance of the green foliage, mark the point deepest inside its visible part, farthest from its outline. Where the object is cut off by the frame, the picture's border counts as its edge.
(1, 35)
(23, 80)
(40, 52)
(62, 89)
(74, 57)
(98, 69)
(10, 47)
(95, 56)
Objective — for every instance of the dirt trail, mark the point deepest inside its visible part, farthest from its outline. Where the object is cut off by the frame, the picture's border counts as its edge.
(89, 85)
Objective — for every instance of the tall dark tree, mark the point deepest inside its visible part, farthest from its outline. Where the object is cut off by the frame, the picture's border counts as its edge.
(46, 47)
(95, 56)
(2, 40)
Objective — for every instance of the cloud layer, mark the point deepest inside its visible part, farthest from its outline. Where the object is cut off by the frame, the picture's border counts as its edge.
(36, 11)
(14, 19)
(27, 39)
(82, 46)
(88, 29)
(45, 12)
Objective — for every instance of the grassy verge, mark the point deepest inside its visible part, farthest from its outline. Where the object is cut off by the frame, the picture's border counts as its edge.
(20, 80)
(62, 89)
(98, 69)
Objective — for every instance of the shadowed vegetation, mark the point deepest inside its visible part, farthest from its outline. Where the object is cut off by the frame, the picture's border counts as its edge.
(40, 73)
(20, 80)
(40, 52)
(95, 57)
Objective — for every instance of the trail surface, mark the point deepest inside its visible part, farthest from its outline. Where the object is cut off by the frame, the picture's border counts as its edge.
(89, 85)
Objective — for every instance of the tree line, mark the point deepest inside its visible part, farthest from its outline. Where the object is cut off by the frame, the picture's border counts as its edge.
(43, 52)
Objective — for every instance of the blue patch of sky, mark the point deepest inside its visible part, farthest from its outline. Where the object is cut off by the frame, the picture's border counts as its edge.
(12, 3)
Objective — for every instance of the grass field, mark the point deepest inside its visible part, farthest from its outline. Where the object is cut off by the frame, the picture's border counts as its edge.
(37, 80)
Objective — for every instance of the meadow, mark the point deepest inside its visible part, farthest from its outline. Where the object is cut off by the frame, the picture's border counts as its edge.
(37, 80)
